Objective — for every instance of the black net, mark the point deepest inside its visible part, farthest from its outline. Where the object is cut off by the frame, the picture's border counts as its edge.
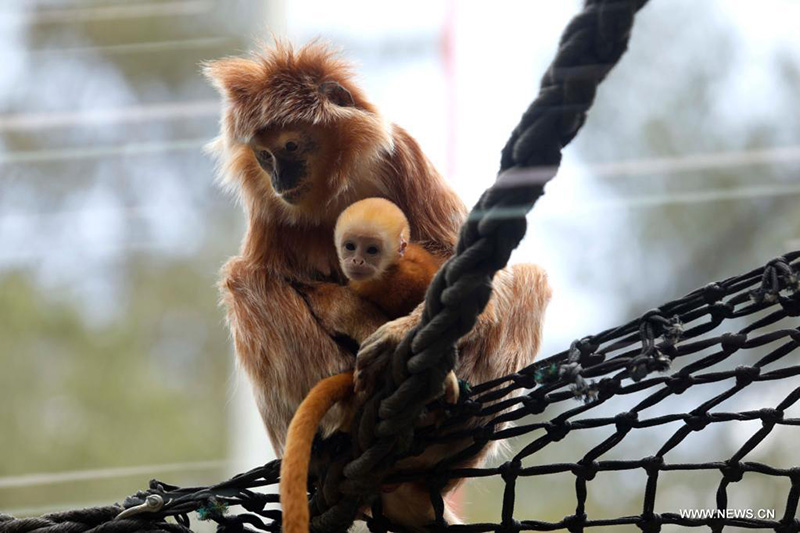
(719, 341)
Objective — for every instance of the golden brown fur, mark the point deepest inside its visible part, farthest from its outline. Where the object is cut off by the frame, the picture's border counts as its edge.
(399, 272)
(402, 286)
(287, 275)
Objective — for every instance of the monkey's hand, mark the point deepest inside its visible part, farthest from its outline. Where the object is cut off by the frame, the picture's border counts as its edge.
(376, 351)
(339, 310)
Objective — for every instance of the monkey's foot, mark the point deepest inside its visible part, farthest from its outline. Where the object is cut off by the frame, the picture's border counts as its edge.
(452, 389)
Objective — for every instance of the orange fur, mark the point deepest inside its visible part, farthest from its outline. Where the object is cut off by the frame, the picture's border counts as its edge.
(402, 286)
(283, 292)
(294, 467)
(407, 269)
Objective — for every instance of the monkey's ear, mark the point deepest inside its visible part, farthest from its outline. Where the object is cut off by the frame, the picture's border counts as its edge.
(337, 94)
(233, 77)
(403, 246)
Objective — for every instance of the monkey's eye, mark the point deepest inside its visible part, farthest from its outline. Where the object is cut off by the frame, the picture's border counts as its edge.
(350, 246)
(291, 146)
(372, 250)
(264, 156)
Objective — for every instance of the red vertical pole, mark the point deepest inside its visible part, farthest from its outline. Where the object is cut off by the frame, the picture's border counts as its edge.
(448, 51)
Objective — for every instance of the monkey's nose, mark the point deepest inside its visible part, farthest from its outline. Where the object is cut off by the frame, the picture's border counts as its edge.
(358, 261)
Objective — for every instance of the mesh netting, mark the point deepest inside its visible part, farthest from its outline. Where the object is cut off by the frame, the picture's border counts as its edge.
(723, 339)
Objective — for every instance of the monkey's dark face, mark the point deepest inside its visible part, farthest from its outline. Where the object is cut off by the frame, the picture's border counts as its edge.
(288, 157)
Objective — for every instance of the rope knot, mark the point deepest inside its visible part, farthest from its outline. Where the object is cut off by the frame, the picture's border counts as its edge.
(678, 383)
(745, 375)
(712, 293)
(558, 430)
(650, 523)
(483, 435)
(509, 471)
(527, 381)
(770, 416)
(639, 367)
(652, 464)
(607, 387)
(534, 404)
(575, 523)
(586, 470)
(697, 421)
(732, 342)
(732, 472)
(721, 311)
(625, 421)
(584, 351)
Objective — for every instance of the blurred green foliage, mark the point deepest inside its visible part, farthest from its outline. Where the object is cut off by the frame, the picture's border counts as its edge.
(147, 387)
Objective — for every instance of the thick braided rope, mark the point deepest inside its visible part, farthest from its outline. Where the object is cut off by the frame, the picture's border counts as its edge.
(591, 45)
(91, 520)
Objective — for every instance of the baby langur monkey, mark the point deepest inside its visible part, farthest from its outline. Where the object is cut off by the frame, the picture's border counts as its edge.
(372, 242)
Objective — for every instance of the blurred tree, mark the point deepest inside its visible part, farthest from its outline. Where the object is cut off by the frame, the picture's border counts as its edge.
(114, 352)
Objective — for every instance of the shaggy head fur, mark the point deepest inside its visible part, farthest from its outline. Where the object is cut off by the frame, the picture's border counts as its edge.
(304, 100)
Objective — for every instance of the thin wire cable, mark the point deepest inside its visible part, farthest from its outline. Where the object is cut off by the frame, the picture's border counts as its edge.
(98, 152)
(53, 478)
(115, 12)
(117, 115)
(135, 48)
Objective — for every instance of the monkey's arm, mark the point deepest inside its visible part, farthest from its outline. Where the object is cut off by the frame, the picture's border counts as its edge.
(505, 338)
(279, 344)
(341, 311)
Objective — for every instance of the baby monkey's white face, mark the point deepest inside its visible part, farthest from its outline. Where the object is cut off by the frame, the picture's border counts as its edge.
(366, 256)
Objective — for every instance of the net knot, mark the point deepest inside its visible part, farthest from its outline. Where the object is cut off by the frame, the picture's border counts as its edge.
(527, 381)
(745, 375)
(731, 342)
(643, 364)
(575, 523)
(712, 293)
(721, 311)
(584, 351)
(678, 383)
(509, 471)
(626, 421)
(607, 387)
(652, 464)
(558, 430)
(792, 526)
(732, 472)
(534, 404)
(586, 470)
(483, 435)
(697, 422)
(650, 523)
(770, 416)
(570, 372)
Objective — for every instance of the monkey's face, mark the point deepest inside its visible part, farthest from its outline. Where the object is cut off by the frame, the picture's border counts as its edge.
(289, 157)
(365, 256)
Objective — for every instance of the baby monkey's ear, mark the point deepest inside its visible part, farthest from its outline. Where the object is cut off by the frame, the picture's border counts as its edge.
(403, 246)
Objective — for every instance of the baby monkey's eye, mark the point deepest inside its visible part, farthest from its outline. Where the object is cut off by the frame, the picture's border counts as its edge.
(350, 245)
(291, 146)
(372, 250)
